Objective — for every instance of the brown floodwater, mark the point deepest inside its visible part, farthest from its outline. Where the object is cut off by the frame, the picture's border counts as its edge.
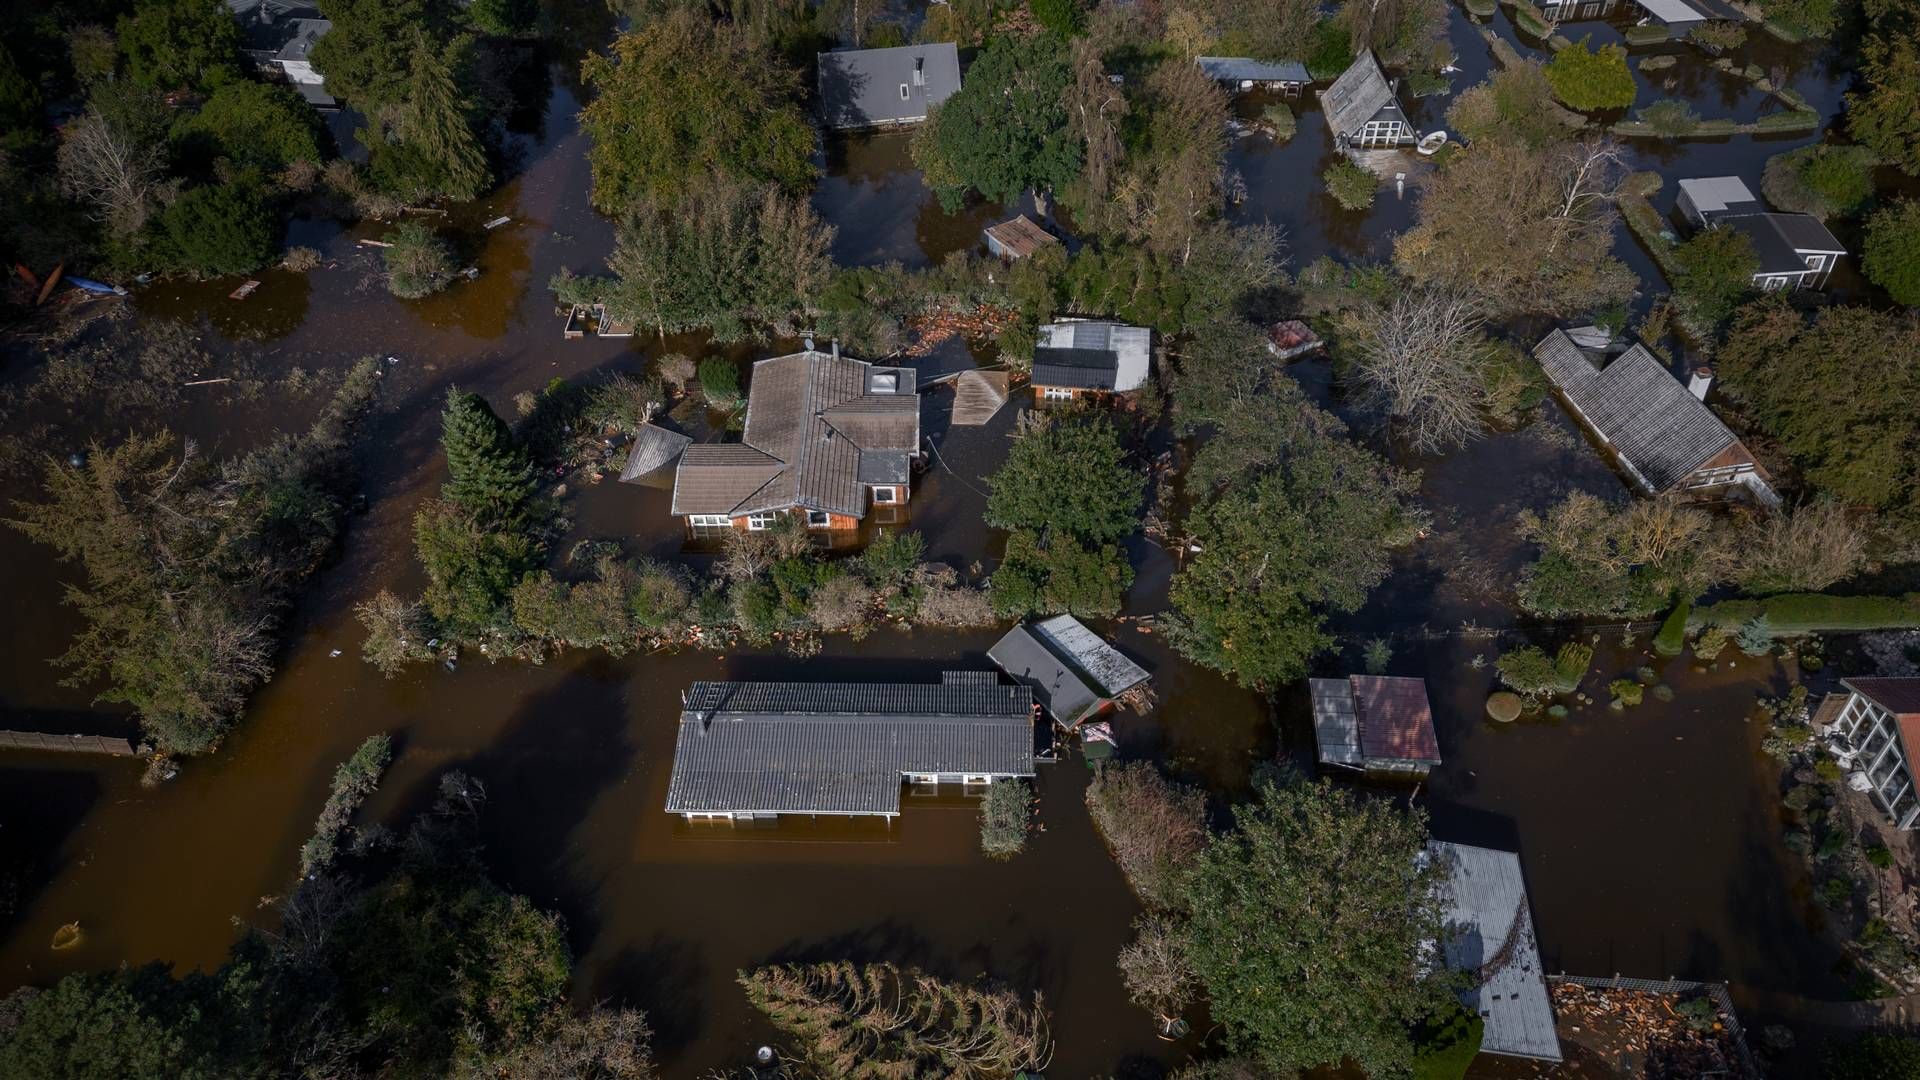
(1650, 838)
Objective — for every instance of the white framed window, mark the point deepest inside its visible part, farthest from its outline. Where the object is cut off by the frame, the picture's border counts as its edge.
(1816, 262)
(903, 91)
(884, 496)
(818, 519)
(1057, 393)
(1773, 284)
(759, 522)
(709, 521)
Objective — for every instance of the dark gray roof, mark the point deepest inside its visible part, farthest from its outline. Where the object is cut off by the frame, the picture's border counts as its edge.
(1106, 667)
(1084, 369)
(654, 448)
(1661, 431)
(1092, 354)
(1057, 687)
(1360, 94)
(1242, 68)
(841, 748)
(1488, 934)
(1336, 724)
(863, 87)
(813, 422)
(1780, 238)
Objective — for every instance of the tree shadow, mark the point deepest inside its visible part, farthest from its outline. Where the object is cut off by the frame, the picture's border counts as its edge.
(662, 979)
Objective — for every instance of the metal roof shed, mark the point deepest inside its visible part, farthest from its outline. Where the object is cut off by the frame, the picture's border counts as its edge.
(1488, 934)
(1375, 723)
(1108, 668)
(1059, 690)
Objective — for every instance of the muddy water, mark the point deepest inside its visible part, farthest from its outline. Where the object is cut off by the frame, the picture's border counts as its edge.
(1649, 837)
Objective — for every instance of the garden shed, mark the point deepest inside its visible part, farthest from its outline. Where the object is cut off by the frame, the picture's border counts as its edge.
(1074, 673)
(1375, 724)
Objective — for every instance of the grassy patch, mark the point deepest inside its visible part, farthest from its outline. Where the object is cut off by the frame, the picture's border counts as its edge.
(1645, 35)
(1788, 120)
(1805, 613)
(1530, 21)
(1483, 8)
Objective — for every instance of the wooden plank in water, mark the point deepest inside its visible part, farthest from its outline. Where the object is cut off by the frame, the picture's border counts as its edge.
(84, 744)
(977, 396)
(244, 291)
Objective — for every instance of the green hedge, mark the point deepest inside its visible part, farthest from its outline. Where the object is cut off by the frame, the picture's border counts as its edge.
(1672, 638)
(1719, 125)
(1645, 35)
(1483, 8)
(1806, 613)
(1528, 19)
(1788, 120)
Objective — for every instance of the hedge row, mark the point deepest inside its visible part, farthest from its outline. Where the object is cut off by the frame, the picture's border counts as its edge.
(1788, 120)
(1529, 19)
(1806, 613)
(1645, 35)
(1672, 638)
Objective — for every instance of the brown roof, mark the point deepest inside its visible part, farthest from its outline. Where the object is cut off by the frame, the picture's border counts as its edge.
(1021, 237)
(1396, 720)
(1900, 697)
(811, 418)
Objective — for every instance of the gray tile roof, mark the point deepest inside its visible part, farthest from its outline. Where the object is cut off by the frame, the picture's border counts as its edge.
(1242, 68)
(1488, 933)
(1717, 194)
(1662, 432)
(1360, 94)
(654, 448)
(1780, 238)
(841, 748)
(816, 423)
(863, 87)
(1057, 687)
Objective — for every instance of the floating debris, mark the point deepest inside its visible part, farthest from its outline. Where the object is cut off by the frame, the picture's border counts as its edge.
(245, 290)
(67, 936)
(497, 222)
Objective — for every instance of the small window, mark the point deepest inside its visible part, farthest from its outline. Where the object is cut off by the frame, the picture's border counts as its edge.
(818, 519)
(759, 522)
(709, 521)
(1057, 393)
(903, 91)
(1816, 262)
(883, 495)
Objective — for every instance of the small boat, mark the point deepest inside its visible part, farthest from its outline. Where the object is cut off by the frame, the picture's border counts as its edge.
(244, 291)
(1431, 142)
(96, 287)
(496, 222)
(67, 936)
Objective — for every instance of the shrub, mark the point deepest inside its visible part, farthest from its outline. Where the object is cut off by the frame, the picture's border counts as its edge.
(1350, 185)
(419, 263)
(1877, 854)
(1670, 118)
(1806, 613)
(1825, 179)
(1154, 827)
(720, 382)
(1004, 816)
(1710, 643)
(1782, 121)
(1874, 1057)
(1330, 51)
(1446, 1044)
(1588, 79)
(1719, 34)
(1626, 691)
(300, 260)
(1672, 638)
(353, 781)
(1377, 655)
(1712, 272)
(1280, 121)
(219, 229)
(1531, 21)
(1646, 35)
(1756, 636)
(1892, 259)
(1797, 20)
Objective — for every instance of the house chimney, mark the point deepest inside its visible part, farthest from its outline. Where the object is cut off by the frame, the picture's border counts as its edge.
(1700, 382)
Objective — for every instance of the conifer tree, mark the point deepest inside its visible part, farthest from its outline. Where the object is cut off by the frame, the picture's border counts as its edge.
(488, 475)
(436, 125)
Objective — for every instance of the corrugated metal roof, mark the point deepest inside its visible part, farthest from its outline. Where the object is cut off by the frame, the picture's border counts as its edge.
(1075, 343)
(1663, 432)
(1109, 669)
(840, 748)
(1336, 727)
(862, 87)
(1489, 935)
(1361, 93)
(1672, 12)
(1057, 687)
(1715, 194)
(1396, 722)
(1244, 69)
(1020, 237)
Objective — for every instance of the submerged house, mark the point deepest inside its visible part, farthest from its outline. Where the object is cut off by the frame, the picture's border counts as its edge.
(1362, 110)
(1663, 435)
(1244, 73)
(863, 88)
(278, 36)
(1681, 14)
(1074, 674)
(1376, 724)
(1077, 357)
(1018, 238)
(1487, 934)
(1796, 250)
(1875, 726)
(828, 439)
(758, 750)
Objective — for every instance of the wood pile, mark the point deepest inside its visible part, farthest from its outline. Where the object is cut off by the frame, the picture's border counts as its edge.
(1642, 1034)
(979, 324)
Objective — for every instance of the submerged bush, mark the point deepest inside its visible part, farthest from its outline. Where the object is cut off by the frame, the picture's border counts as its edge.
(720, 382)
(1350, 185)
(1588, 79)
(1005, 815)
(353, 781)
(419, 263)
(1155, 828)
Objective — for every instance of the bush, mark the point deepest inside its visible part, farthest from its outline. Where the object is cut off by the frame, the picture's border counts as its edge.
(1586, 79)
(1719, 34)
(1782, 121)
(1330, 51)
(1797, 20)
(1713, 271)
(419, 263)
(1874, 1057)
(353, 781)
(1892, 259)
(1626, 691)
(1280, 121)
(1154, 827)
(1710, 643)
(720, 382)
(1446, 1044)
(1672, 638)
(219, 229)
(1646, 35)
(1877, 854)
(1377, 655)
(1004, 816)
(1670, 118)
(1755, 637)
(1350, 185)
(1531, 21)
(1825, 179)
(1806, 613)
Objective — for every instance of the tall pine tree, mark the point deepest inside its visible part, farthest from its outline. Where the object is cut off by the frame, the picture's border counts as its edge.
(488, 475)
(435, 124)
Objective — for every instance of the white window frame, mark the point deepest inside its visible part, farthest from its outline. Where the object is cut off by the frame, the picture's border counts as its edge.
(760, 522)
(1816, 262)
(709, 521)
(886, 496)
(1773, 282)
(903, 92)
(819, 519)
(1056, 393)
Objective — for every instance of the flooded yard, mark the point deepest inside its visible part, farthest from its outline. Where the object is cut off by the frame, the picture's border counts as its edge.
(1650, 838)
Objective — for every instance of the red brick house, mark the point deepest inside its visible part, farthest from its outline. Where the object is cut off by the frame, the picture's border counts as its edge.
(828, 439)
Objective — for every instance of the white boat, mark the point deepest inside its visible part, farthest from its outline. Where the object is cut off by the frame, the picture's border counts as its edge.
(1431, 142)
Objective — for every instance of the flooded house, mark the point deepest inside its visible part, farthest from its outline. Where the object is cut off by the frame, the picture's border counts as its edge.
(653, 451)
(1661, 433)
(1075, 675)
(1487, 934)
(1873, 725)
(278, 36)
(1362, 109)
(1075, 358)
(1796, 251)
(1017, 238)
(1682, 15)
(866, 88)
(1380, 725)
(828, 439)
(1288, 77)
(752, 751)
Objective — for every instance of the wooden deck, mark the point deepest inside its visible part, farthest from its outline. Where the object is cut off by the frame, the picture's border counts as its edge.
(84, 744)
(977, 396)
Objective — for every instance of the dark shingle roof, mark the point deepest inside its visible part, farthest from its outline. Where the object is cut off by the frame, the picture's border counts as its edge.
(861, 87)
(1085, 369)
(1659, 429)
(1779, 238)
(1240, 68)
(1361, 93)
(714, 478)
(841, 748)
(654, 448)
(1092, 354)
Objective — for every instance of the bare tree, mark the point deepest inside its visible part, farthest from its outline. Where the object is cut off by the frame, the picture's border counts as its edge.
(113, 167)
(1804, 549)
(1154, 966)
(1095, 108)
(1419, 360)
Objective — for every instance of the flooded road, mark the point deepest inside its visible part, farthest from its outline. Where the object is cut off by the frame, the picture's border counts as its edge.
(1650, 838)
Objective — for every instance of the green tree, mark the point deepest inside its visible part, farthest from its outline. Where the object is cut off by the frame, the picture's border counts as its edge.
(1620, 561)
(1059, 575)
(504, 18)
(1005, 132)
(171, 44)
(1063, 17)
(1070, 477)
(1885, 114)
(220, 229)
(1713, 271)
(682, 100)
(1588, 79)
(471, 570)
(1807, 18)
(368, 54)
(1873, 1057)
(443, 157)
(136, 1023)
(1515, 103)
(19, 101)
(1892, 259)
(254, 125)
(1826, 179)
(1350, 185)
(1312, 926)
(488, 475)
(418, 262)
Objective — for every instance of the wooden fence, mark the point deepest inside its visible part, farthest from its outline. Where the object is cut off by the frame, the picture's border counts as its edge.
(82, 744)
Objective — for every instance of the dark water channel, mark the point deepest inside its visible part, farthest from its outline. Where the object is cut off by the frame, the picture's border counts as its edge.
(1650, 839)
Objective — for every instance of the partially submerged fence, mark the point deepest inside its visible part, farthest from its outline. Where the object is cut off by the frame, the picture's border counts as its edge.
(1716, 992)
